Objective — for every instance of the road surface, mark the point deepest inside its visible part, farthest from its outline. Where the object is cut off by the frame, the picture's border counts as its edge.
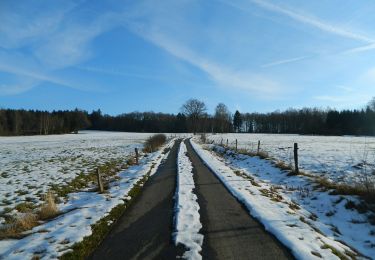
(145, 229)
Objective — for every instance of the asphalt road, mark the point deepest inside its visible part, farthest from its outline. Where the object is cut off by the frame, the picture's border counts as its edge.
(145, 229)
(229, 231)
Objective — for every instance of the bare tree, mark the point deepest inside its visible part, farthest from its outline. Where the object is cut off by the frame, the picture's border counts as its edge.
(194, 110)
(222, 118)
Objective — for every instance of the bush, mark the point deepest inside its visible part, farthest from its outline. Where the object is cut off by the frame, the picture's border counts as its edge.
(154, 142)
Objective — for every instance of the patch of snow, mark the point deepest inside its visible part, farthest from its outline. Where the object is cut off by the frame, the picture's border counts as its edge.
(187, 218)
(347, 159)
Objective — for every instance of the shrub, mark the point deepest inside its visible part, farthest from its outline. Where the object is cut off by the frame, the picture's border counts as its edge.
(154, 142)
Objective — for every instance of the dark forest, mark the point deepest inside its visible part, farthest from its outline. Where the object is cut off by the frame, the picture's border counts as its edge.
(192, 118)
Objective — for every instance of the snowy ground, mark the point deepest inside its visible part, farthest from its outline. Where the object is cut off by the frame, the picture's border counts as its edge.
(30, 165)
(312, 223)
(80, 209)
(187, 219)
(339, 158)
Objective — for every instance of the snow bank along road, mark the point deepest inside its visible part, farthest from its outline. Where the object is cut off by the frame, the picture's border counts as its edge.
(154, 227)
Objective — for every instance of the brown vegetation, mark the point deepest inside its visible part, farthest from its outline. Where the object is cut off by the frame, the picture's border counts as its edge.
(49, 209)
(154, 142)
(29, 217)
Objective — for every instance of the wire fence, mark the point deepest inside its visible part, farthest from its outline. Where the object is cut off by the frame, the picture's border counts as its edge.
(338, 158)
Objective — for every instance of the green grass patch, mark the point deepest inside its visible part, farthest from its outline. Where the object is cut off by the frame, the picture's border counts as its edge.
(25, 207)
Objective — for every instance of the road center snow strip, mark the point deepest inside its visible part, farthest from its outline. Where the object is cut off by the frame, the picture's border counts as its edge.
(187, 218)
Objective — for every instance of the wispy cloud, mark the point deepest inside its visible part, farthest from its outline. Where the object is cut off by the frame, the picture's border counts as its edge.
(280, 62)
(307, 19)
(357, 95)
(24, 23)
(367, 47)
(345, 88)
(310, 20)
(221, 74)
(34, 78)
(117, 72)
(52, 42)
(341, 101)
(22, 85)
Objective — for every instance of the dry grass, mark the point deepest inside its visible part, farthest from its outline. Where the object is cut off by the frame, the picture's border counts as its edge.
(283, 166)
(263, 155)
(18, 225)
(49, 209)
(346, 189)
(29, 218)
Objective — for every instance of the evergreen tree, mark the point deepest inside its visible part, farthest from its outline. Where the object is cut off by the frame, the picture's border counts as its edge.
(237, 121)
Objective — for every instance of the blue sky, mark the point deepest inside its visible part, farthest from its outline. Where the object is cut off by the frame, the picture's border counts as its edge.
(122, 56)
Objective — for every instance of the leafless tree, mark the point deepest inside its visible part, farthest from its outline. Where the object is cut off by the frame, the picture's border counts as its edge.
(222, 118)
(194, 110)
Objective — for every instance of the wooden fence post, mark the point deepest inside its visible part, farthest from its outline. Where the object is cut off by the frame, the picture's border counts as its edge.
(236, 145)
(258, 147)
(100, 183)
(296, 169)
(227, 142)
(136, 156)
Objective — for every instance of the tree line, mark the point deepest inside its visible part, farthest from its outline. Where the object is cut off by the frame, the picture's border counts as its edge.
(311, 122)
(193, 117)
(35, 122)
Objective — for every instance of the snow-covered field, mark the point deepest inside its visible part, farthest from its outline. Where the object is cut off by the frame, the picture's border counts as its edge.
(338, 158)
(80, 209)
(30, 165)
(312, 223)
(187, 219)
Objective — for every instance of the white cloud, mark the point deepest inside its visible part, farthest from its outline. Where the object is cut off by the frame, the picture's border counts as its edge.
(221, 74)
(23, 84)
(312, 21)
(345, 88)
(342, 101)
(32, 78)
(23, 23)
(367, 47)
(280, 62)
(356, 96)
(52, 40)
(71, 45)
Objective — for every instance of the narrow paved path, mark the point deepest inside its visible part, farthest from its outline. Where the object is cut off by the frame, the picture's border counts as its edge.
(145, 229)
(229, 231)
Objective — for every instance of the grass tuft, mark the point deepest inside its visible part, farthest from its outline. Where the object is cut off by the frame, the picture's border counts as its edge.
(49, 209)
(17, 225)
